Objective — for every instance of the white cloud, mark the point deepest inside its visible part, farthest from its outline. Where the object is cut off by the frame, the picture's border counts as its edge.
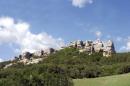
(81, 3)
(1, 60)
(119, 39)
(126, 47)
(19, 33)
(98, 33)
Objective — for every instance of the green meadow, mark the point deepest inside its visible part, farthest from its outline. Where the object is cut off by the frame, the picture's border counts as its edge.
(116, 80)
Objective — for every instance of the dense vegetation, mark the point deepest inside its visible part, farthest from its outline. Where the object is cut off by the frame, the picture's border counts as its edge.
(82, 65)
(60, 68)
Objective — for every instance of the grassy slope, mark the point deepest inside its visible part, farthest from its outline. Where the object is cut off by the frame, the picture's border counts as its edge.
(117, 80)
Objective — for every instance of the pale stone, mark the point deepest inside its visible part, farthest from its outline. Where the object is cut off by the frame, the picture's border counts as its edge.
(39, 53)
(79, 44)
(98, 46)
(49, 51)
(73, 44)
(8, 65)
(107, 48)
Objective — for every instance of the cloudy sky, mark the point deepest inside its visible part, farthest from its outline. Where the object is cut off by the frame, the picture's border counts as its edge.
(29, 25)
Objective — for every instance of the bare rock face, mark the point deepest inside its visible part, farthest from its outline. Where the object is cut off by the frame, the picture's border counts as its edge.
(80, 44)
(73, 44)
(27, 55)
(98, 46)
(88, 46)
(29, 58)
(77, 44)
(107, 48)
(39, 53)
(49, 51)
(8, 65)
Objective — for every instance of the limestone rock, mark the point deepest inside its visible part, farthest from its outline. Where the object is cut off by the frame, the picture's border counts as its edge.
(8, 65)
(39, 53)
(27, 55)
(50, 51)
(88, 46)
(79, 44)
(109, 49)
(106, 48)
(73, 44)
(98, 46)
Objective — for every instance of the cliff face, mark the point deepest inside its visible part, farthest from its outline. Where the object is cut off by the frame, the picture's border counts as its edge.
(107, 48)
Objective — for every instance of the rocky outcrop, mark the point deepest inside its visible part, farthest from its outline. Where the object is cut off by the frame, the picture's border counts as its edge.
(106, 48)
(31, 58)
(27, 55)
(8, 65)
(109, 48)
(98, 46)
(39, 53)
(30, 61)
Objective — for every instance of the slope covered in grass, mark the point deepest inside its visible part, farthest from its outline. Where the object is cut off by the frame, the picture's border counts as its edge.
(116, 80)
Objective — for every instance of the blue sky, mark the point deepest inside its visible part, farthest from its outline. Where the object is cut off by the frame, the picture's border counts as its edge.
(62, 21)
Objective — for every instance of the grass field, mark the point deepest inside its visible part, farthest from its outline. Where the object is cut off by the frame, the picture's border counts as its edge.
(117, 80)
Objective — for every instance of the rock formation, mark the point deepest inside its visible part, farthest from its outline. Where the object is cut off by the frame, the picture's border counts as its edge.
(98, 46)
(29, 58)
(89, 47)
(107, 48)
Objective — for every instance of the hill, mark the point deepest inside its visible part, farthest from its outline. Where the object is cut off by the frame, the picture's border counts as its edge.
(117, 80)
(58, 69)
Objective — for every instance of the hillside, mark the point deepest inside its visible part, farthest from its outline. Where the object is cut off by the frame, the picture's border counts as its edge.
(117, 80)
(60, 68)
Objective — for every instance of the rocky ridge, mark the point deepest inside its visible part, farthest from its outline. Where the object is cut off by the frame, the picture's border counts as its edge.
(106, 48)
(89, 47)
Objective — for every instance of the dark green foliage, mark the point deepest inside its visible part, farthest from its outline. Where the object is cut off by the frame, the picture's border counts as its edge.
(37, 75)
(82, 65)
